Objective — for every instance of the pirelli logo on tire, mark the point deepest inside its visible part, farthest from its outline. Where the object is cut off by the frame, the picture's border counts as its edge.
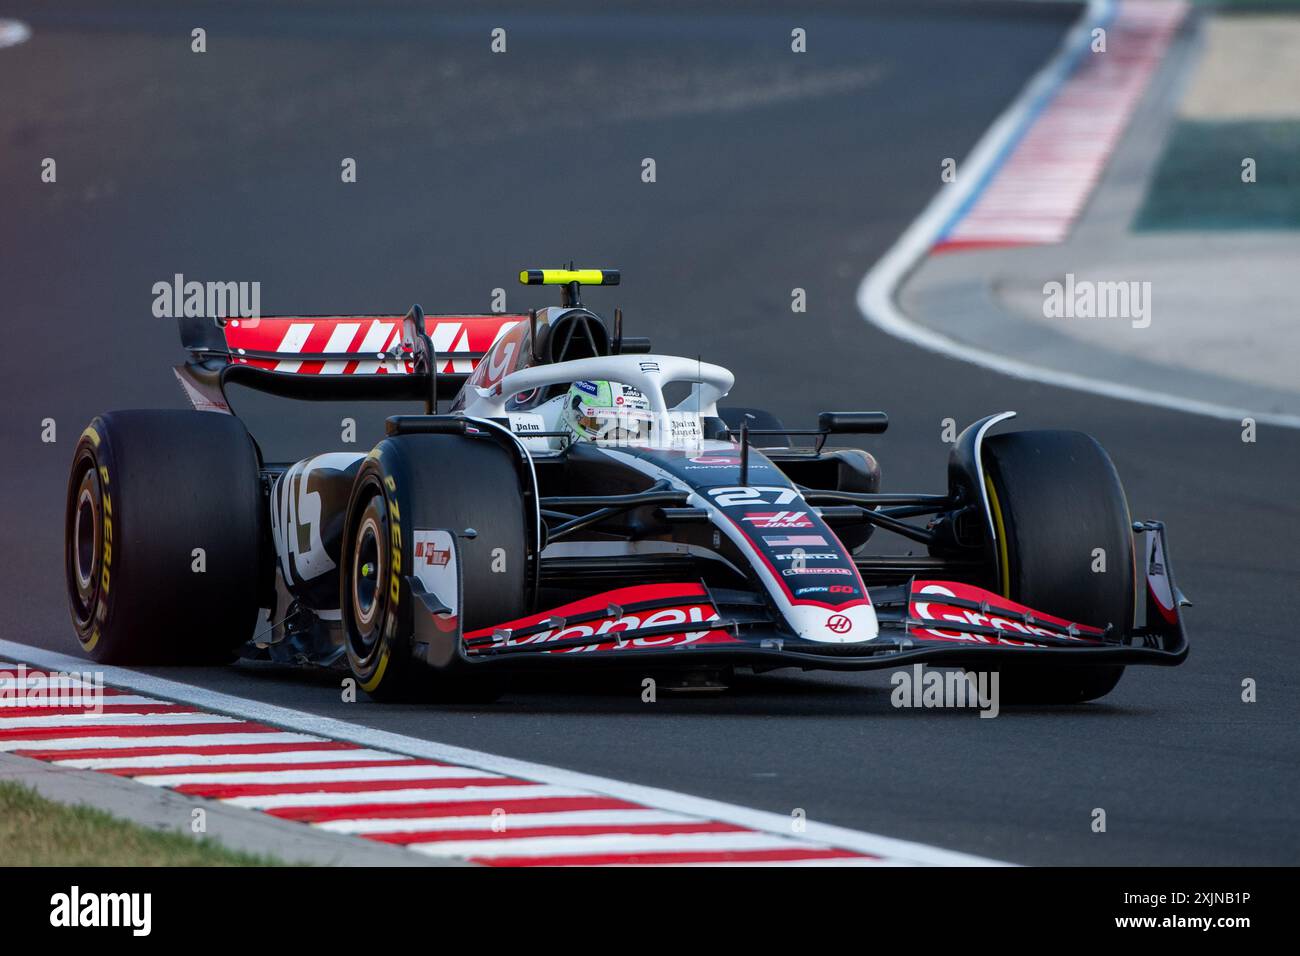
(395, 544)
(107, 500)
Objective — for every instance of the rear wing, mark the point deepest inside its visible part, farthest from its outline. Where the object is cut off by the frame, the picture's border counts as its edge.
(327, 357)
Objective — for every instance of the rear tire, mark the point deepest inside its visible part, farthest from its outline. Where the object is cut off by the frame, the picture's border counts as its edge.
(1058, 498)
(147, 489)
(430, 482)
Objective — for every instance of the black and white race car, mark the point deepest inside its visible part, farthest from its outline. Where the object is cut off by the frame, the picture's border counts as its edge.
(554, 508)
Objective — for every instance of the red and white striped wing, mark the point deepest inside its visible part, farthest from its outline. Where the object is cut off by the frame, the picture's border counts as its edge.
(365, 345)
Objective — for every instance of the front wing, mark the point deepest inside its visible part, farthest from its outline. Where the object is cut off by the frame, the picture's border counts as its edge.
(689, 625)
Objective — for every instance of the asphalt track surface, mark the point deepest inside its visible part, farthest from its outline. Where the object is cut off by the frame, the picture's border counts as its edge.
(774, 171)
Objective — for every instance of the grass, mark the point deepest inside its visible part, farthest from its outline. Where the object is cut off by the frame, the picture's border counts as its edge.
(37, 832)
(1198, 183)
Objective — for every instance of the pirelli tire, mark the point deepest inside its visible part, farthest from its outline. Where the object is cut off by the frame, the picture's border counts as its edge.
(164, 537)
(413, 483)
(1060, 512)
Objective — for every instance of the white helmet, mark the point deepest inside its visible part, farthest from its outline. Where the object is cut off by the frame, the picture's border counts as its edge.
(607, 412)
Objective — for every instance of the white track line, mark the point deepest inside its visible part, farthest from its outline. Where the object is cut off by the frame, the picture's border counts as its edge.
(313, 727)
(877, 291)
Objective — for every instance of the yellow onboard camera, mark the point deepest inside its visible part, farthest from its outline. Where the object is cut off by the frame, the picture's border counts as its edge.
(568, 276)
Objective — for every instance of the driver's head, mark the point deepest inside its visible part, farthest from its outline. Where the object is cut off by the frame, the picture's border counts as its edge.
(606, 412)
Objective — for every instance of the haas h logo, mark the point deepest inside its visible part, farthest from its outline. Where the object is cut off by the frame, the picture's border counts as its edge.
(839, 623)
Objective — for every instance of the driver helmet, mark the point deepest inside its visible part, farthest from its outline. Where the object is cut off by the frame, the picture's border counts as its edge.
(608, 412)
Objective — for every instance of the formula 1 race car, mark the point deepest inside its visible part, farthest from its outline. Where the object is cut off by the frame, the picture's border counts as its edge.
(553, 508)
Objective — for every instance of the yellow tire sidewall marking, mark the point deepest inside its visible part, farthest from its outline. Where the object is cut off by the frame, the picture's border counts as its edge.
(1004, 563)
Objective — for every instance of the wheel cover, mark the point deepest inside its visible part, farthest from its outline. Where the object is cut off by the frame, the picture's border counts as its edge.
(86, 546)
(369, 598)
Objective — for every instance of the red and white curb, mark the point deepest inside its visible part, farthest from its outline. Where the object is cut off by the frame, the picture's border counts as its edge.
(431, 798)
(1038, 190)
(877, 295)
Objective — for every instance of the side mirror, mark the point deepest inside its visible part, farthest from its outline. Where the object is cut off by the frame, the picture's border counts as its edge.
(852, 423)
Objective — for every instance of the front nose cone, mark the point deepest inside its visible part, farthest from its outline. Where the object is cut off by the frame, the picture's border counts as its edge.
(846, 625)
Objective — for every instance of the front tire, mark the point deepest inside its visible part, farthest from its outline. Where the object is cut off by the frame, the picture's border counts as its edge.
(467, 485)
(163, 535)
(1056, 499)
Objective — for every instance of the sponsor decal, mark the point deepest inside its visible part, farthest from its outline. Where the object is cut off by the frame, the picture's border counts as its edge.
(435, 568)
(589, 387)
(842, 589)
(795, 540)
(1158, 580)
(788, 572)
(734, 497)
(504, 348)
(649, 366)
(686, 614)
(779, 519)
(684, 430)
(1018, 633)
(395, 546)
(501, 357)
(106, 502)
(521, 423)
(815, 589)
(806, 556)
(426, 551)
(716, 460)
(850, 623)
(298, 514)
(372, 345)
